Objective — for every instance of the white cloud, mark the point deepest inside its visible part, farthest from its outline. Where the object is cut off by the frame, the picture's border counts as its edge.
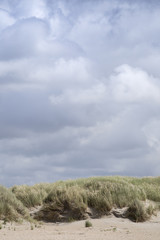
(79, 89)
(134, 85)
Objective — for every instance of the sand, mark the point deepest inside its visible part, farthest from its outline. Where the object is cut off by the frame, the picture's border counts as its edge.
(111, 228)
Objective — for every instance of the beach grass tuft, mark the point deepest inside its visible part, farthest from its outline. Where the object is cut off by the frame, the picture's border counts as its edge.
(81, 198)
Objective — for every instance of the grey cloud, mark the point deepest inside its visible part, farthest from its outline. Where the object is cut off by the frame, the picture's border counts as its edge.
(22, 39)
(79, 89)
(6, 19)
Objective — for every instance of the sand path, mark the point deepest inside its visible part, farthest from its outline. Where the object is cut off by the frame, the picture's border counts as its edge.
(105, 228)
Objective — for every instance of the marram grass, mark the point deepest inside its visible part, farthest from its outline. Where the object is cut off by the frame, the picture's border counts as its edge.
(11, 209)
(78, 199)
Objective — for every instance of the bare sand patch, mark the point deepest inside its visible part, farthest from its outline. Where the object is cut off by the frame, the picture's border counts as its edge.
(108, 227)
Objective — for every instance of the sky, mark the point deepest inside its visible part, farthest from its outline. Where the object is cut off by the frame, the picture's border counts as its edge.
(79, 89)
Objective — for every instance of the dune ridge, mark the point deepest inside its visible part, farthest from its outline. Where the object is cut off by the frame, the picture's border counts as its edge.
(65, 201)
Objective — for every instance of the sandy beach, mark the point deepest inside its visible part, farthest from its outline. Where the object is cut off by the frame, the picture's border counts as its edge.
(105, 228)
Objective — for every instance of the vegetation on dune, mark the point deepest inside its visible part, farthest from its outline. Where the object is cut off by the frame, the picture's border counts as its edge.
(32, 196)
(11, 209)
(64, 203)
(88, 224)
(137, 211)
(82, 198)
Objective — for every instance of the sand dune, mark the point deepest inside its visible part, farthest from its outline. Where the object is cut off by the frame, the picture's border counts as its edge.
(105, 228)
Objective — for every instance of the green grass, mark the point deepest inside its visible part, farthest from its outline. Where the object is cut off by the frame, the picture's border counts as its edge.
(65, 200)
(88, 223)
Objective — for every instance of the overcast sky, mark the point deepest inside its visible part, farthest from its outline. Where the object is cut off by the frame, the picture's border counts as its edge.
(79, 89)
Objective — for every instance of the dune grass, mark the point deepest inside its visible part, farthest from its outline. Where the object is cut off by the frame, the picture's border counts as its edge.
(31, 196)
(101, 194)
(78, 199)
(11, 209)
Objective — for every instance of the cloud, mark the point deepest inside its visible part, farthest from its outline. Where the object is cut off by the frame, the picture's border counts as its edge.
(22, 39)
(6, 19)
(134, 85)
(79, 89)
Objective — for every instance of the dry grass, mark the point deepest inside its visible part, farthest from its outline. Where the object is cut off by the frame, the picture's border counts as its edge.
(65, 200)
(32, 196)
(11, 209)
